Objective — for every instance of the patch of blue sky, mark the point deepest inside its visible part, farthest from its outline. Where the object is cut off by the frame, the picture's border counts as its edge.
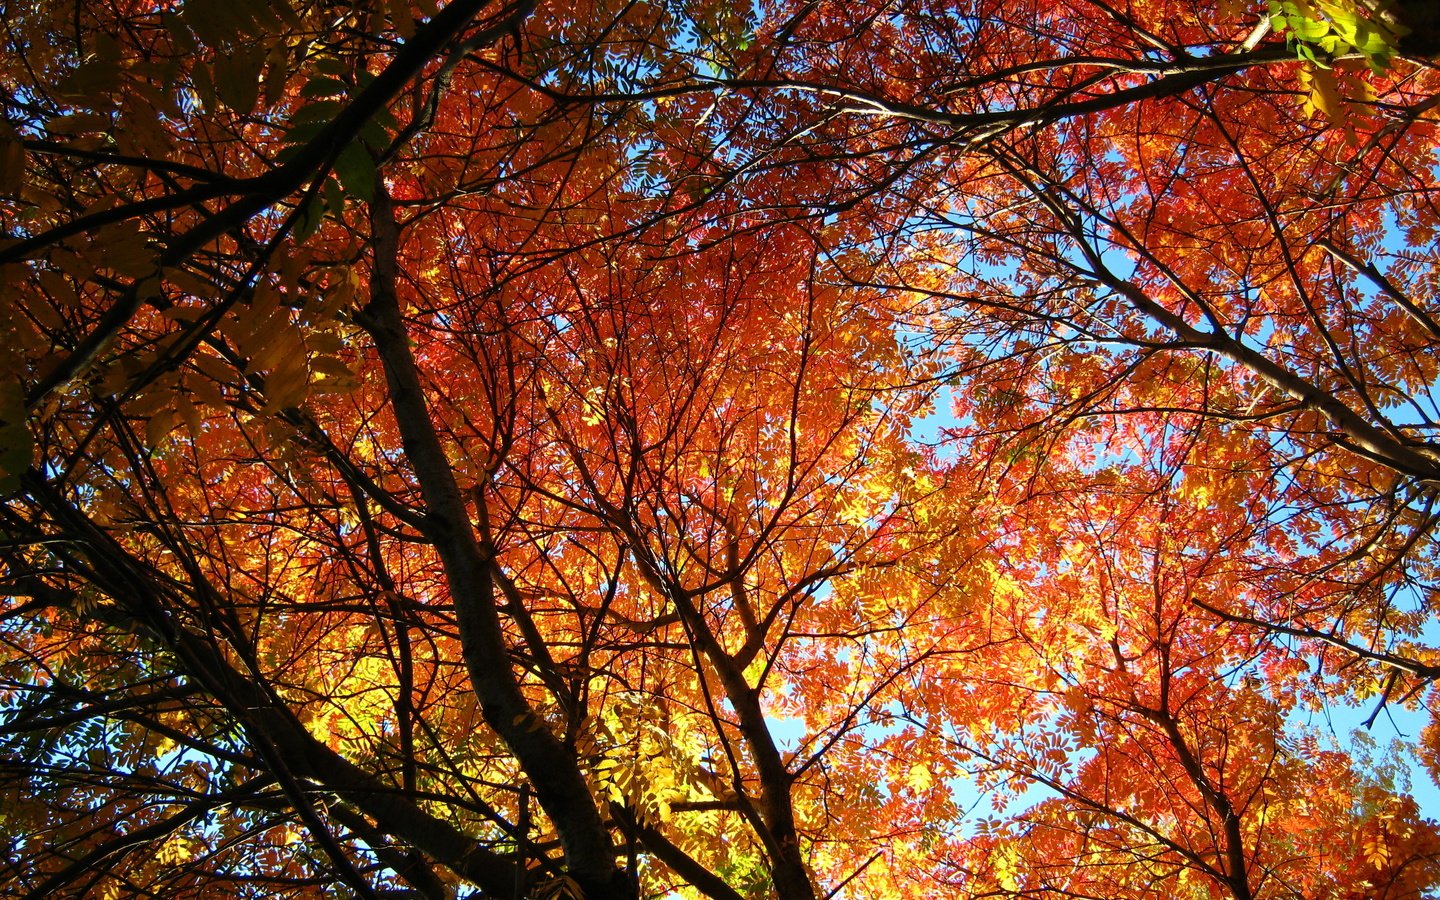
(1381, 738)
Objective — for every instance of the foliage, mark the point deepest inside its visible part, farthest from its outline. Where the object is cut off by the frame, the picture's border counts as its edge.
(645, 449)
(1329, 29)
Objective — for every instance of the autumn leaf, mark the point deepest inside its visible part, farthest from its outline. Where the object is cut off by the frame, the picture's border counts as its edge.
(794, 451)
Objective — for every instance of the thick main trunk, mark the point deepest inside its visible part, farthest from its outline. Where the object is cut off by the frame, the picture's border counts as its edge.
(552, 768)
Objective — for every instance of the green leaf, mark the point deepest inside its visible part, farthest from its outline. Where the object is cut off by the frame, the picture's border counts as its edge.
(356, 171)
(373, 134)
(300, 134)
(277, 69)
(219, 23)
(204, 86)
(334, 196)
(308, 219)
(206, 21)
(320, 112)
(237, 77)
(331, 65)
(324, 86)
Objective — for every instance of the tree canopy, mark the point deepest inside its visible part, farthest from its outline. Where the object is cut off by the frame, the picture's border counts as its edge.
(806, 449)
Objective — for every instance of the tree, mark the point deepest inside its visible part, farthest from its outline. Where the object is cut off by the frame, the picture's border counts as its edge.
(477, 450)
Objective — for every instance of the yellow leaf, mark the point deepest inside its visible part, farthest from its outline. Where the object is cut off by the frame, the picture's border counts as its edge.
(919, 777)
(401, 18)
(160, 426)
(287, 385)
(1323, 95)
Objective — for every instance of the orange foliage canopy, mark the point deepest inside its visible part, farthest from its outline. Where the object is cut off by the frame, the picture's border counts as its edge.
(689, 449)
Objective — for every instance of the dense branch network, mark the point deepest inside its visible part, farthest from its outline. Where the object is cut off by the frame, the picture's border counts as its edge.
(596, 452)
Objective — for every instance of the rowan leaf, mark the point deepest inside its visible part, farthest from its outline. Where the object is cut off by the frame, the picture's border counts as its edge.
(950, 449)
(356, 172)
